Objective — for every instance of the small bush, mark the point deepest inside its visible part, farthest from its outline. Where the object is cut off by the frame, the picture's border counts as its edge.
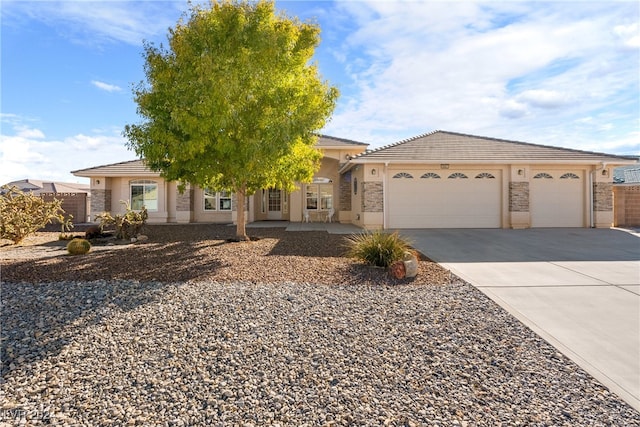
(127, 225)
(78, 247)
(377, 248)
(24, 213)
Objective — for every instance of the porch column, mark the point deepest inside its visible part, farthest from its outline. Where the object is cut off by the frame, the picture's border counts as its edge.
(184, 205)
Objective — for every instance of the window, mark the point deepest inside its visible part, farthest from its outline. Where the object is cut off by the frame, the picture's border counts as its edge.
(543, 175)
(402, 175)
(485, 175)
(319, 196)
(457, 175)
(430, 175)
(569, 175)
(144, 193)
(217, 201)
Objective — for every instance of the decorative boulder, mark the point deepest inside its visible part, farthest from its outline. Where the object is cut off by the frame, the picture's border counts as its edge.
(93, 232)
(410, 262)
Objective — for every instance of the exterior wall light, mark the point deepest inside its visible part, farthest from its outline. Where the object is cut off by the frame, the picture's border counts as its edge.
(373, 171)
(520, 171)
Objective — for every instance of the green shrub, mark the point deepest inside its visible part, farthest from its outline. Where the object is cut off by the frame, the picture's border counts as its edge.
(377, 248)
(24, 213)
(127, 225)
(78, 247)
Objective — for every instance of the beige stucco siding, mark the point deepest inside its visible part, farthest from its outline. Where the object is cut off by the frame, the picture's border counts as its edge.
(201, 215)
(120, 189)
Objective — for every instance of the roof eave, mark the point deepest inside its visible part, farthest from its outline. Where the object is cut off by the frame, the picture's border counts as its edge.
(608, 161)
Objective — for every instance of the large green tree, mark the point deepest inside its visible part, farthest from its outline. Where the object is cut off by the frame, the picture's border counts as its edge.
(234, 103)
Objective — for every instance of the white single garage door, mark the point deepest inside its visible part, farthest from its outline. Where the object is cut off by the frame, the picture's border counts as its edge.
(444, 199)
(557, 199)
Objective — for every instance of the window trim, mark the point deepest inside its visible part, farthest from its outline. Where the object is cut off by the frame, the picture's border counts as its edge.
(317, 190)
(144, 183)
(218, 198)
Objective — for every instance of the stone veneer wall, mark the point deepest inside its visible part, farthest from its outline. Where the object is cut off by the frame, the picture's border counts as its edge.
(602, 196)
(184, 201)
(372, 197)
(100, 202)
(345, 192)
(518, 197)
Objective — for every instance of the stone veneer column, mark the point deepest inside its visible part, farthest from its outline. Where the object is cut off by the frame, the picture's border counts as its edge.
(345, 192)
(602, 204)
(100, 201)
(519, 197)
(372, 197)
(519, 210)
(184, 205)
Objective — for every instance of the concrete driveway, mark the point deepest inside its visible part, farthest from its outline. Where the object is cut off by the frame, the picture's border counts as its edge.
(577, 288)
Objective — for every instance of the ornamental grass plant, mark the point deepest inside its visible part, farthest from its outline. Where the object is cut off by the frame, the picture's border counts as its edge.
(377, 248)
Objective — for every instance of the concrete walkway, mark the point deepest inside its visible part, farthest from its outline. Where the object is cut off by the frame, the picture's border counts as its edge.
(577, 288)
(329, 227)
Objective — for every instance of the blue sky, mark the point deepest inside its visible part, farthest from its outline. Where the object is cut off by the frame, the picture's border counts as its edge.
(555, 73)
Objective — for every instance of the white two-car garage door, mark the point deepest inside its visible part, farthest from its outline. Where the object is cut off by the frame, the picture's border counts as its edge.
(444, 199)
(557, 199)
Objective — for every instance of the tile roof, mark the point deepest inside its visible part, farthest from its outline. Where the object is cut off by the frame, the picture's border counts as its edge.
(128, 168)
(627, 175)
(441, 146)
(332, 141)
(37, 186)
(137, 167)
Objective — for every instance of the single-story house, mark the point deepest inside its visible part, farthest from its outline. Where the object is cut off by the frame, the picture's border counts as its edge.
(436, 180)
(74, 196)
(626, 196)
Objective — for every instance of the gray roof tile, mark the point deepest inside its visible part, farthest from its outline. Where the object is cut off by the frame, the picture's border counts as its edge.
(441, 146)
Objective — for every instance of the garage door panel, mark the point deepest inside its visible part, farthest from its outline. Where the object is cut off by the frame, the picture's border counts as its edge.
(557, 199)
(445, 202)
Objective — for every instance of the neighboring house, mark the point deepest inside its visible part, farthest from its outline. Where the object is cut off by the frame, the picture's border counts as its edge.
(437, 180)
(74, 196)
(626, 196)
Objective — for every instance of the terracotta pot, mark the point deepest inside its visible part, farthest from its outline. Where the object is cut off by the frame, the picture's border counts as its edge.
(397, 270)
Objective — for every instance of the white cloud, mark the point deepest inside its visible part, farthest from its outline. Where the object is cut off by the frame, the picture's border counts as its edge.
(630, 34)
(543, 98)
(106, 86)
(510, 69)
(94, 22)
(26, 152)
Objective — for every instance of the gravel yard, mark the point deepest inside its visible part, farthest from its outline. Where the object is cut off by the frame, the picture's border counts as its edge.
(186, 329)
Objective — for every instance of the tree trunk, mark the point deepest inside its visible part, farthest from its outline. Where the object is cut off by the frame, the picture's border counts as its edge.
(241, 229)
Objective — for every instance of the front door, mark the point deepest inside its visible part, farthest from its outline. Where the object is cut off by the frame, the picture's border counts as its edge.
(274, 204)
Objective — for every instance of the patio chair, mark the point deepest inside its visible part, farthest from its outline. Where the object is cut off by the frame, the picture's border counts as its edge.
(330, 214)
